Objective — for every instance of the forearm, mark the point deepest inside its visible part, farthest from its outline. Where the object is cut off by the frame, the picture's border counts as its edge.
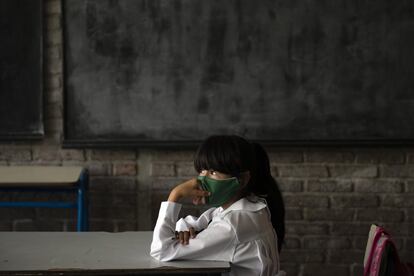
(175, 196)
(164, 231)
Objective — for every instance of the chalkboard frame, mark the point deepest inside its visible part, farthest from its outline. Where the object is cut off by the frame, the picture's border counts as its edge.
(28, 133)
(192, 144)
(137, 143)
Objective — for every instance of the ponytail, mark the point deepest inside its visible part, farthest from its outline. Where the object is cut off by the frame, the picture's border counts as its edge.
(264, 185)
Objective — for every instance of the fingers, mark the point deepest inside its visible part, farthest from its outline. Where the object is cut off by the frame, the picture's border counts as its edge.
(184, 236)
(181, 237)
(199, 200)
(201, 193)
(199, 196)
(192, 232)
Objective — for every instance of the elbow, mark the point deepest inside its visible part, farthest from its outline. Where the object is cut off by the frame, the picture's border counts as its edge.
(156, 254)
(155, 251)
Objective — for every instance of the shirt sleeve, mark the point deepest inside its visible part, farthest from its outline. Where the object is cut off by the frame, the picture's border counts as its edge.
(216, 242)
(198, 224)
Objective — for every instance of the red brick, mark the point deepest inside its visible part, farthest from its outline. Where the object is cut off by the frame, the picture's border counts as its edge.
(98, 225)
(37, 225)
(99, 169)
(6, 225)
(166, 184)
(313, 214)
(290, 185)
(291, 243)
(120, 206)
(357, 269)
(125, 225)
(406, 255)
(350, 171)
(298, 228)
(398, 230)
(381, 157)
(305, 201)
(409, 214)
(350, 229)
(301, 256)
(111, 155)
(325, 270)
(163, 169)
(7, 213)
(398, 201)
(293, 214)
(397, 171)
(409, 186)
(72, 154)
(274, 171)
(125, 168)
(326, 242)
(112, 183)
(380, 215)
(290, 269)
(285, 157)
(302, 171)
(173, 155)
(55, 213)
(378, 186)
(351, 201)
(346, 256)
(329, 157)
(47, 155)
(329, 186)
(409, 244)
(186, 169)
(15, 153)
(360, 242)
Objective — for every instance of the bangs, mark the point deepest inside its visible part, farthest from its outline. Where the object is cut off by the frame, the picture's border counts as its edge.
(225, 154)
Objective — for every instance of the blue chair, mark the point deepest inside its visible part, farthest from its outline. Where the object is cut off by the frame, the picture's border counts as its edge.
(52, 179)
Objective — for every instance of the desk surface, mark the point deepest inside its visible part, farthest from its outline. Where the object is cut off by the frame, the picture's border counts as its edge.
(45, 253)
(35, 175)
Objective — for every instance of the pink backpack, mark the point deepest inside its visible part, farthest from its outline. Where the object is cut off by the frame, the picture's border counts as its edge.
(381, 257)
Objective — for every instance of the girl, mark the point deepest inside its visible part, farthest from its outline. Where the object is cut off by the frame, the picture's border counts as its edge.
(242, 227)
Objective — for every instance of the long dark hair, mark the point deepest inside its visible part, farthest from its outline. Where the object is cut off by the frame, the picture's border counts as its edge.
(231, 154)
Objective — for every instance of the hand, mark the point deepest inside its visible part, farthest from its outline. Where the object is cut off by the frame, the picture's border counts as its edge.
(184, 236)
(189, 189)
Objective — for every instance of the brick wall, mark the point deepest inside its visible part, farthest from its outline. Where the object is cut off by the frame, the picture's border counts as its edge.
(332, 195)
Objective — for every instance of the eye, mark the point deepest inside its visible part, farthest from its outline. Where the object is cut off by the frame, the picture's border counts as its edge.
(213, 172)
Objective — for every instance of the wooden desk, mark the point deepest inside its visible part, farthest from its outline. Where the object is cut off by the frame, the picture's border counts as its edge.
(55, 179)
(39, 176)
(91, 253)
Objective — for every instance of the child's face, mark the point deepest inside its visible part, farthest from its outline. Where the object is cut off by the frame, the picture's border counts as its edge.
(214, 174)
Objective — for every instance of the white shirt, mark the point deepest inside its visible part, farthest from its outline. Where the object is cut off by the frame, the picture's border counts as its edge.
(242, 234)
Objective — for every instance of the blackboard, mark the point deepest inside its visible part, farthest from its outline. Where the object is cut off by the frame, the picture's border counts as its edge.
(160, 72)
(21, 74)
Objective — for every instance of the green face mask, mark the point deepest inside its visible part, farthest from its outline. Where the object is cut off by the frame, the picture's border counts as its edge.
(221, 191)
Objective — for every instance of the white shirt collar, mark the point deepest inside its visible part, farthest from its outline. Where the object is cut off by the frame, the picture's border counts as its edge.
(250, 204)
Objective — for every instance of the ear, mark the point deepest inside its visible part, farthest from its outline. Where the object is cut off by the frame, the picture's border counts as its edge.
(244, 178)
